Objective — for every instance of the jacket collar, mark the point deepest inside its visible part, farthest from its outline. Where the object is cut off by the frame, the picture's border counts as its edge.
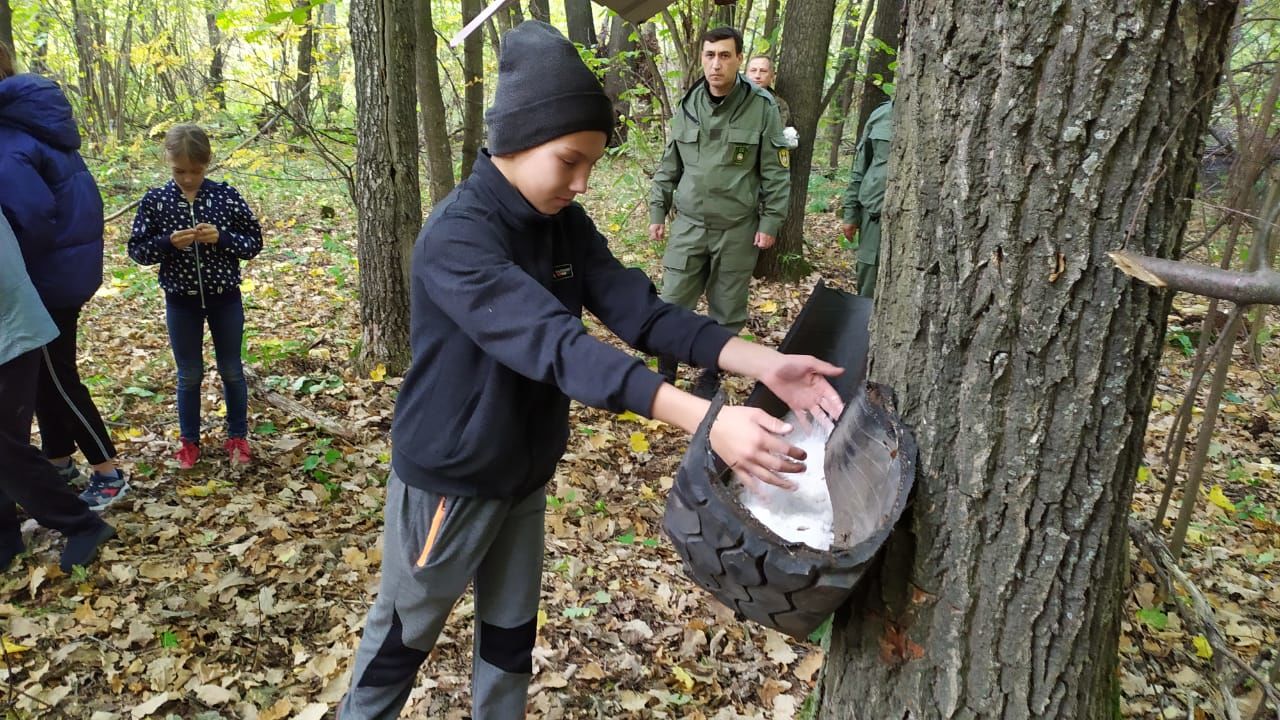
(510, 203)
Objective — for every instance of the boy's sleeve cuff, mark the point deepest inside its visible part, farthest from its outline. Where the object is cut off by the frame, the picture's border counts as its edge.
(640, 389)
(709, 343)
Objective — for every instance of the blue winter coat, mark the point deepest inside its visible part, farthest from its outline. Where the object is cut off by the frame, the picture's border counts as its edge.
(47, 193)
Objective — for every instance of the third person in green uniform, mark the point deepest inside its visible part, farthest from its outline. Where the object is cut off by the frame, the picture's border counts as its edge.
(864, 198)
(725, 172)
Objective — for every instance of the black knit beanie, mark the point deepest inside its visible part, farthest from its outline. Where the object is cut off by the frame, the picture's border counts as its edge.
(544, 91)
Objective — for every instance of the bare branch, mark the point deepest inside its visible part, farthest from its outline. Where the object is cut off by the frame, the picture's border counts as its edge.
(1198, 613)
(1260, 287)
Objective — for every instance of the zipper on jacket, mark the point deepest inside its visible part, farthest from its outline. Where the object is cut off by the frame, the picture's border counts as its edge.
(199, 280)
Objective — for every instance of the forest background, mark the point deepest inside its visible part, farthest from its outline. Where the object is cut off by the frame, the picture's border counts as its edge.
(242, 595)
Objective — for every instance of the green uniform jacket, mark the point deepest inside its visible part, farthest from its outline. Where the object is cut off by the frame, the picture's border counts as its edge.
(864, 198)
(724, 163)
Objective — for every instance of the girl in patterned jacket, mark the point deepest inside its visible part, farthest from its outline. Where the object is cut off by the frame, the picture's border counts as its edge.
(198, 231)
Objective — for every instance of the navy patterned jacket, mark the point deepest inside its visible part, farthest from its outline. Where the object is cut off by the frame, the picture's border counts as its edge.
(200, 270)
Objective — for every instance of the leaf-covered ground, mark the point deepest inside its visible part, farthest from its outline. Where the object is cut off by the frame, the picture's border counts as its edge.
(241, 595)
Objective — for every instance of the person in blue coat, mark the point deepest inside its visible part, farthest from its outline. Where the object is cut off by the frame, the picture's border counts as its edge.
(52, 203)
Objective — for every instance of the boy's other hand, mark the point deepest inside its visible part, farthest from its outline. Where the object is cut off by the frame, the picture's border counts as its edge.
(800, 381)
(747, 439)
(657, 231)
(182, 239)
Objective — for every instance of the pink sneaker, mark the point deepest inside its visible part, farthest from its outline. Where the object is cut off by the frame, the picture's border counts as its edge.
(188, 454)
(238, 451)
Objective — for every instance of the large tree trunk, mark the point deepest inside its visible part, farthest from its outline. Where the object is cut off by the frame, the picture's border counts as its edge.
(1029, 141)
(435, 132)
(218, 62)
(851, 46)
(389, 210)
(888, 23)
(301, 110)
(582, 25)
(6, 26)
(802, 69)
(473, 94)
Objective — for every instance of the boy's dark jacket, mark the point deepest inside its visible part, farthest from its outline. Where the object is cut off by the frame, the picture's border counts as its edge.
(47, 192)
(498, 291)
(203, 271)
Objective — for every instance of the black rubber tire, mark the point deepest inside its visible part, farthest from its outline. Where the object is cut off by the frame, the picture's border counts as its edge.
(789, 587)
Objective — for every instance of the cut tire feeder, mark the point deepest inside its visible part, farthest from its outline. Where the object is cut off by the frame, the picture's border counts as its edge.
(869, 466)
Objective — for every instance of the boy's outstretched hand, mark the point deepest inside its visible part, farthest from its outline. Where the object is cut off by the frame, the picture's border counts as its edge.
(800, 381)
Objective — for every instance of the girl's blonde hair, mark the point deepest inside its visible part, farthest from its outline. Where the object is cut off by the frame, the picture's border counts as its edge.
(188, 141)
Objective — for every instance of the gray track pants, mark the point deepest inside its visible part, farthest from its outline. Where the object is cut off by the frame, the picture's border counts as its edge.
(433, 547)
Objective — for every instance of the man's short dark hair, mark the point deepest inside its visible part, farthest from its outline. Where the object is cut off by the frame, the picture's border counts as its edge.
(724, 33)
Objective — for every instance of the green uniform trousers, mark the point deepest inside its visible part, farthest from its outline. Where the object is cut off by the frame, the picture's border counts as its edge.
(717, 262)
(868, 254)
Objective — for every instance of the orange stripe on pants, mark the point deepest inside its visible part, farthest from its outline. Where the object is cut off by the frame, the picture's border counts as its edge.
(436, 521)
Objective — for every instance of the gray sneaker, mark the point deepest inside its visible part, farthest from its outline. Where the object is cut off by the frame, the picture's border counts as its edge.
(104, 490)
(68, 472)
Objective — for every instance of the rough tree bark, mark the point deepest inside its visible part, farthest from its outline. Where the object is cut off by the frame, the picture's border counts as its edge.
(887, 24)
(473, 94)
(435, 132)
(802, 67)
(388, 203)
(1028, 143)
(582, 26)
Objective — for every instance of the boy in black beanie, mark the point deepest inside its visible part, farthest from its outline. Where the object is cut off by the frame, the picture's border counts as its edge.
(501, 274)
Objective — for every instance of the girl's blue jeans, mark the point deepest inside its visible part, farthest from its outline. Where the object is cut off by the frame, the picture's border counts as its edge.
(186, 320)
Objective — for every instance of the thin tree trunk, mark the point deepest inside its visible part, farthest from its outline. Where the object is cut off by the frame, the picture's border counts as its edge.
(1030, 139)
(802, 70)
(771, 27)
(40, 55)
(538, 10)
(473, 92)
(887, 26)
(333, 60)
(388, 204)
(582, 26)
(850, 43)
(6, 27)
(301, 110)
(621, 75)
(83, 36)
(217, 64)
(435, 131)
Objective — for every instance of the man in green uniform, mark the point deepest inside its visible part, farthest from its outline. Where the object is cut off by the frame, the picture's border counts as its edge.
(864, 197)
(760, 71)
(725, 172)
